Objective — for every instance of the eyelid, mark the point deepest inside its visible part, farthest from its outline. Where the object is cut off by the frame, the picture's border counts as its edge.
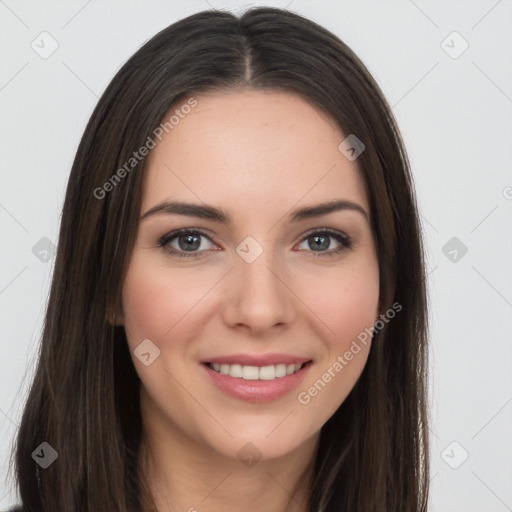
(165, 239)
(330, 231)
(346, 242)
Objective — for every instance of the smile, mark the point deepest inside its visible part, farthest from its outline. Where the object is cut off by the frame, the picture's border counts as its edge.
(252, 383)
(269, 372)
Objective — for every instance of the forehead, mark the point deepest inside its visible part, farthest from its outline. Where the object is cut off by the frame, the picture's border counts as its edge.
(251, 150)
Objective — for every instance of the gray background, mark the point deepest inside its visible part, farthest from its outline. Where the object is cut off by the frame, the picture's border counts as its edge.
(454, 110)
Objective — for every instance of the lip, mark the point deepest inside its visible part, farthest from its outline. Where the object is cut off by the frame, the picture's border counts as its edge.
(258, 359)
(257, 391)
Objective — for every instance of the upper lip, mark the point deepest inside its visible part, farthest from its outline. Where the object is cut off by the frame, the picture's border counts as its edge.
(257, 359)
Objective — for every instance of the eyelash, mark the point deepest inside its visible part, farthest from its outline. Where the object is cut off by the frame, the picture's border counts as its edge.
(344, 240)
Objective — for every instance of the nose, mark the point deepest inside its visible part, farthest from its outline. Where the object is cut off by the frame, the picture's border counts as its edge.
(257, 297)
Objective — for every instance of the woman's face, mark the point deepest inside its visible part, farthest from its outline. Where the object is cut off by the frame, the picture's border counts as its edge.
(257, 292)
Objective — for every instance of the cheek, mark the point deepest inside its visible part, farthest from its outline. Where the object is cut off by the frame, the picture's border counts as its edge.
(144, 304)
(345, 303)
(346, 306)
(353, 310)
(156, 300)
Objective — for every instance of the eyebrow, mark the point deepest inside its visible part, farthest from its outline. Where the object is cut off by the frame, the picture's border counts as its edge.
(216, 214)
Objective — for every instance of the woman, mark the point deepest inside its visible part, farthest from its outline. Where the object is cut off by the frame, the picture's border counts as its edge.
(237, 318)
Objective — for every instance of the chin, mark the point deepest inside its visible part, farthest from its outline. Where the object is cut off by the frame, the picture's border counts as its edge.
(259, 440)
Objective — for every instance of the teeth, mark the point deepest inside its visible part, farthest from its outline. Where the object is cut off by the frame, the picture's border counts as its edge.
(256, 372)
(281, 370)
(235, 370)
(249, 373)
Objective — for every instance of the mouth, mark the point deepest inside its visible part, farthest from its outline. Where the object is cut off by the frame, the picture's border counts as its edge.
(257, 384)
(247, 372)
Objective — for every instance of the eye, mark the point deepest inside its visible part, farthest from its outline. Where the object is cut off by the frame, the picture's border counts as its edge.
(188, 242)
(319, 241)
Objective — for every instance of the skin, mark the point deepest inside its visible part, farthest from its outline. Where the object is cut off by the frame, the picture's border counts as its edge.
(257, 156)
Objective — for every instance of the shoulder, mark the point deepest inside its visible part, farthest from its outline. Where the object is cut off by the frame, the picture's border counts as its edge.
(16, 508)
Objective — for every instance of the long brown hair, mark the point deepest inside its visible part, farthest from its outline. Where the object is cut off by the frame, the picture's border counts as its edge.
(84, 398)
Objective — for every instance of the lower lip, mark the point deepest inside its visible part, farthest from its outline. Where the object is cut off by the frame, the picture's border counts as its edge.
(257, 390)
